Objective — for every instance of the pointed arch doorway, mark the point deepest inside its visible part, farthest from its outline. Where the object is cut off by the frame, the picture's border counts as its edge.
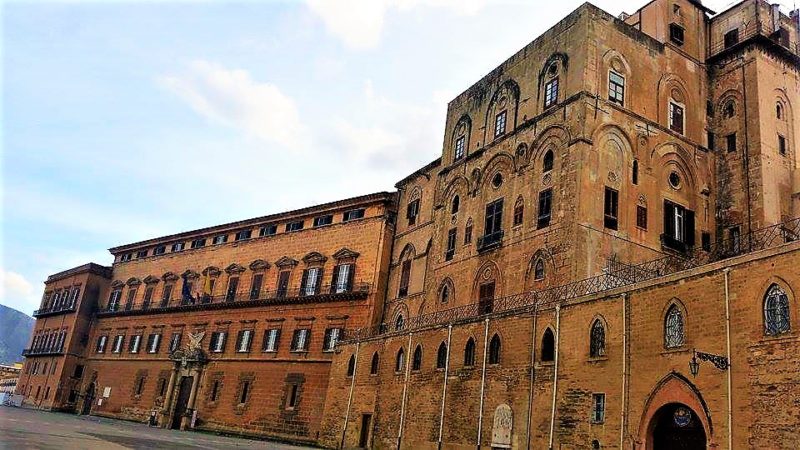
(675, 426)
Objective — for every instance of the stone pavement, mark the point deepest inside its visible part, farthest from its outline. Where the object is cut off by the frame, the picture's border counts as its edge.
(22, 428)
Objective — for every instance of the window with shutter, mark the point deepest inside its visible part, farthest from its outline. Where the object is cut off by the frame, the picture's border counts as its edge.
(283, 283)
(243, 341)
(233, 286)
(174, 342)
(676, 117)
(271, 338)
(255, 286)
(611, 209)
(486, 298)
(545, 208)
(342, 278)
(451, 245)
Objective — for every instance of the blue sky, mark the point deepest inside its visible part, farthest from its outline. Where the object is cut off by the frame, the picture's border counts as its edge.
(125, 121)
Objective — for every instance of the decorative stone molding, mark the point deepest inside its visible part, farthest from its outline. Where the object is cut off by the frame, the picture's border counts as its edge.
(150, 279)
(315, 257)
(116, 284)
(285, 262)
(212, 271)
(133, 281)
(234, 269)
(259, 264)
(190, 274)
(169, 276)
(345, 253)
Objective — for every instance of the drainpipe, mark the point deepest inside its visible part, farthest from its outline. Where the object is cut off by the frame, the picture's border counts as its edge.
(532, 376)
(746, 159)
(444, 387)
(483, 380)
(624, 369)
(727, 272)
(555, 377)
(350, 397)
(405, 392)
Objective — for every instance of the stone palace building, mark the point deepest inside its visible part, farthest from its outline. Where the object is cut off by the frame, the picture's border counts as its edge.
(605, 255)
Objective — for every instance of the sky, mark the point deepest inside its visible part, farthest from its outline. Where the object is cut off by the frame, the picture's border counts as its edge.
(123, 121)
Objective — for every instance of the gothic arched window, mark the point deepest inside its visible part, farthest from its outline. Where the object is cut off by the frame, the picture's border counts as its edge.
(548, 345)
(597, 340)
(441, 356)
(673, 328)
(400, 361)
(494, 350)
(547, 162)
(519, 211)
(779, 110)
(444, 295)
(399, 323)
(776, 311)
(469, 353)
(416, 362)
(351, 366)
(729, 110)
(373, 367)
(454, 205)
(538, 269)
(635, 174)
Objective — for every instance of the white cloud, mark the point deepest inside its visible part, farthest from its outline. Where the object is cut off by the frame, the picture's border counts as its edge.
(359, 23)
(16, 291)
(231, 97)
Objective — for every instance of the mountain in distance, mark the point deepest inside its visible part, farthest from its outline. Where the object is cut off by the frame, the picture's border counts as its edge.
(15, 332)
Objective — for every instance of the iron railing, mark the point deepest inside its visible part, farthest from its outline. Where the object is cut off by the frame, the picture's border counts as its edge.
(44, 351)
(617, 274)
(54, 310)
(490, 241)
(323, 293)
(752, 29)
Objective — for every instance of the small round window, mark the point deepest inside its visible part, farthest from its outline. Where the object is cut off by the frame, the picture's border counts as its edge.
(675, 180)
(497, 180)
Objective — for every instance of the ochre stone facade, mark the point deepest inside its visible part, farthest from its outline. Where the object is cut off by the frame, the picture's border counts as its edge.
(605, 198)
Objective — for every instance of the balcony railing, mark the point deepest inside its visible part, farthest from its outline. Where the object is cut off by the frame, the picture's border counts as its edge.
(617, 275)
(53, 310)
(324, 293)
(44, 351)
(755, 29)
(490, 241)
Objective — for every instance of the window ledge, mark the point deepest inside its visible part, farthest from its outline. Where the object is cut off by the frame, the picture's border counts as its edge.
(681, 349)
(597, 359)
(547, 363)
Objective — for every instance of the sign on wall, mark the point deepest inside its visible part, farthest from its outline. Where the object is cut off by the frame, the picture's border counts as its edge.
(501, 431)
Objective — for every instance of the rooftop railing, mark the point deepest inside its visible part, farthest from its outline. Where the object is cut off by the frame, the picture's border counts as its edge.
(616, 275)
(756, 29)
(44, 351)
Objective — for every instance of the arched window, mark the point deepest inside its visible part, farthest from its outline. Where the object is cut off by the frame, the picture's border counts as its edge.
(779, 110)
(469, 353)
(441, 356)
(399, 323)
(547, 162)
(351, 366)
(444, 295)
(635, 174)
(373, 366)
(454, 205)
(400, 361)
(538, 269)
(548, 345)
(468, 232)
(776, 311)
(416, 362)
(494, 350)
(597, 340)
(673, 328)
(729, 110)
(519, 211)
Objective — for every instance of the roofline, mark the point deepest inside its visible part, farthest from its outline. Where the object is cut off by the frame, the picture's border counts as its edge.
(91, 267)
(376, 197)
(435, 163)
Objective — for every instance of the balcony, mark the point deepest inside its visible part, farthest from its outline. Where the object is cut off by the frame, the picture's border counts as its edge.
(490, 241)
(54, 310)
(290, 295)
(754, 31)
(44, 351)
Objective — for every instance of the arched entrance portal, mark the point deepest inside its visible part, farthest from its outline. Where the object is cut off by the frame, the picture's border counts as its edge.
(676, 427)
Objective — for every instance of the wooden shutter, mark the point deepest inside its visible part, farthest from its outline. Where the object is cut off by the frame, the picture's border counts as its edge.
(669, 219)
(335, 278)
(350, 277)
(318, 284)
(213, 340)
(239, 338)
(689, 228)
(303, 282)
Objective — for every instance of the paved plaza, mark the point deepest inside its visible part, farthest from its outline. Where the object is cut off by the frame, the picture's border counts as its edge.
(32, 429)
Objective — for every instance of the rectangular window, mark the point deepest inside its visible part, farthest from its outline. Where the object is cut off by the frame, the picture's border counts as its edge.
(244, 392)
(486, 297)
(233, 287)
(133, 346)
(220, 239)
(311, 280)
(616, 88)
(283, 283)
(545, 208)
(331, 338)
(148, 297)
(676, 34)
(118, 341)
(598, 408)
(678, 227)
(198, 243)
(268, 230)
(705, 240)
(731, 38)
(300, 340)
(255, 286)
(131, 299)
(101, 344)
(244, 340)
(323, 220)
(291, 402)
(160, 250)
(153, 342)
(493, 224)
(500, 123)
(271, 339)
(551, 93)
(412, 210)
(734, 239)
(641, 217)
(113, 300)
(178, 247)
(142, 254)
(676, 117)
(342, 278)
(78, 372)
(294, 226)
(243, 235)
(730, 142)
(174, 342)
(710, 139)
(611, 209)
(405, 277)
(74, 298)
(781, 145)
(217, 342)
(451, 245)
(214, 391)
(353, 214)
(126, 257)
(166, 295)
(460, 150)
